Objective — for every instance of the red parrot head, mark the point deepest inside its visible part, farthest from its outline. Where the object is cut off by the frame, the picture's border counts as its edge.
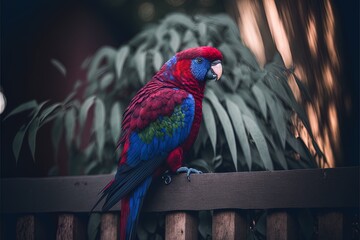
(193, 67)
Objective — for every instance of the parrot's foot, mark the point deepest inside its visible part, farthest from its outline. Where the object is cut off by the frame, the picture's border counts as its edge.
(166, 178)
(188, 171)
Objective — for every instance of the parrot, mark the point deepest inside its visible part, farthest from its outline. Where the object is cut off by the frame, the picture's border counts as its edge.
(158, 127)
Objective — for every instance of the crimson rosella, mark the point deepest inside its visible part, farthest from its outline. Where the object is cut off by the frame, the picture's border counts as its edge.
(160, 124)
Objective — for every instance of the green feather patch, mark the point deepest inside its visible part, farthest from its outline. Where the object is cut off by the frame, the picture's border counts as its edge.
(163, 125)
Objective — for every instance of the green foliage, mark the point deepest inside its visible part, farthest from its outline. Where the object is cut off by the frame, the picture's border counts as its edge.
(247, 115)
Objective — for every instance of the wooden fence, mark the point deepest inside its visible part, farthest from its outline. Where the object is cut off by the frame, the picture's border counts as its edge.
(57, 207)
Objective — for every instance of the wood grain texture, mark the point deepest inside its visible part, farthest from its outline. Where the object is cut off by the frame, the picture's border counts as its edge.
(331, 225)
(25, 228)
(280, 226)
(228, 225)
(70, 227)
(181, 226)
(109, 226)
(308, 188)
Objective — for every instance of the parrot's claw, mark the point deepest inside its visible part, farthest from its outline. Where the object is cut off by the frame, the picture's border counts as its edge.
(166, 178)
(188, 171)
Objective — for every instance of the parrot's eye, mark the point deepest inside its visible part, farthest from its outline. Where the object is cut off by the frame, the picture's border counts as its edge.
(198, 60)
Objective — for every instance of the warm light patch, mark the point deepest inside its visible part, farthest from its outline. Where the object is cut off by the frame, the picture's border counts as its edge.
(278, 32)
(317, 67)
(294, 88)
(329, 28)
(334, 123)
(249, 30)
(313, 119)
(312, 35)
(328, 77)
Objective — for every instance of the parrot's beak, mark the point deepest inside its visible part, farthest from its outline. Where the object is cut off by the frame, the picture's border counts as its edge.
(215, 71)
(216, 66)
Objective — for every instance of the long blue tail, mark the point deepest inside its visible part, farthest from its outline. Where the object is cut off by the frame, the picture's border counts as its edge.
(130, 209)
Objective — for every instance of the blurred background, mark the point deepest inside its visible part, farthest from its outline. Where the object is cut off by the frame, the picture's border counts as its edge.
(319, 38)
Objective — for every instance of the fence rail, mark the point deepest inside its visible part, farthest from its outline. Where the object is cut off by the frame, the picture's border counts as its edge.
(331, 191)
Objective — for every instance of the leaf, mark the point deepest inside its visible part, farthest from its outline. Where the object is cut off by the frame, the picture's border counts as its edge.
(239, 128)
(96, 66)
(84, 110)
(260, 100)
(120, 58)
(106, 80)
(201, 138)
(157, 60)
(48, 111)
(202, 33)
(275, 85)
(89, 149)
(248, 56)
(56, 132)
(86, 62)
(23, 107)
(239, 101)
(69, 126)
(188, 36)
(18, 141)
(59, 66)
(277, 114)
(69, 97)
(174, 40)
(225, 122)
(299, 147)
(91, 166)
(19, 137)
(209, 121)
(229, 55)
(93, 226)
(281, 158)
(99, 124)
(140, 59)
(180, 19)
(217, 161)
(33, 128)
(115, 122)
(260, 141)
(303, 89)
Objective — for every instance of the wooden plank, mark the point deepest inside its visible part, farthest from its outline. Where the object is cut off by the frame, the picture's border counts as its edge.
(228, 224)
(109, 226)
(39, 226)
(25, 228)
(280, 226)
(331, 225)
(180, 226)
(308, 188)
(70, 227)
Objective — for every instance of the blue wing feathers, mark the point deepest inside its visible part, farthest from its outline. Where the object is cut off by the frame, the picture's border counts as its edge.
(141, 150)
(135, 206)
(145, 155)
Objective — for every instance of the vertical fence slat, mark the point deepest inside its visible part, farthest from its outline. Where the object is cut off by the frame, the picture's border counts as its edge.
(25, 228)
(228, 225)
(180, 225)
(331, 225)
(70, 227)
(109, 226)
(280, 226)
